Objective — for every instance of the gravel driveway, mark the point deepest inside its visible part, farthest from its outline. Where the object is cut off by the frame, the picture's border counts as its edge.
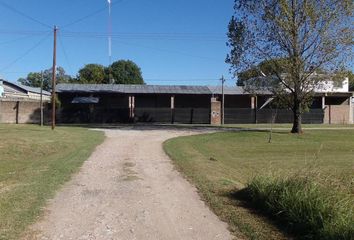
(128, 189)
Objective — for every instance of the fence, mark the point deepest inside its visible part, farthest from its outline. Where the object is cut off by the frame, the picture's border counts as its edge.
(177, 115)
(243, 115)
(24, 111)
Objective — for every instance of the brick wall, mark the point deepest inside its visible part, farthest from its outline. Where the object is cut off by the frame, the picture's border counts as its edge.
(215, 118)
(21, 112)
(337, 114)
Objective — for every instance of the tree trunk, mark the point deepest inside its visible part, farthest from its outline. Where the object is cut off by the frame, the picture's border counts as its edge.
(297, 128)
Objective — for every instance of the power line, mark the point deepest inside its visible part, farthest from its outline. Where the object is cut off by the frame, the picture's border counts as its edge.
(182, 80)
(64, 52)
(24, 54)
(23, 14)
(147, 36)
(169, 51)
(23, 32)
(90, 15)
(14, 40)
(124, 35)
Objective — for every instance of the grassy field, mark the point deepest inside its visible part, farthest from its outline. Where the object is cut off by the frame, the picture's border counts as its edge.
(280, 126)
(220, 164)
(34, 162)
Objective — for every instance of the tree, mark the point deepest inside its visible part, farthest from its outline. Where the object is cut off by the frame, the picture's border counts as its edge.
(92, 73)
(125, 72)
(33, 79)
(309, 34)
(350, 75)
(265, 67)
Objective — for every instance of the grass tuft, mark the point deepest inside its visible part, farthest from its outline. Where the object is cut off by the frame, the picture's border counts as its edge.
(307, 209)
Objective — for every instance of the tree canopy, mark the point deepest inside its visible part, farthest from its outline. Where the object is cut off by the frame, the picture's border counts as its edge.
(33, 79)
(120, 72)
(92, 73)
(125, 72)
(311, 35)
(350, 75)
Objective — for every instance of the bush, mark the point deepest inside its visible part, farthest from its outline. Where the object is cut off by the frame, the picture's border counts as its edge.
(305, 208)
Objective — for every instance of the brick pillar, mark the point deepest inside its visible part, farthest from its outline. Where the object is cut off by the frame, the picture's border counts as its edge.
(172, 109)
(215, 116)
(131, 107)
(254, 107)
(351, 108)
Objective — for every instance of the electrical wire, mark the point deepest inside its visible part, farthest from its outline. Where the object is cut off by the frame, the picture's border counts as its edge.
(23, 14)
(25, 54)
(64, 52)
(169, 51)
(23, 32)
(147, 36)
(14, 40)
(90, 15)
(182, 80)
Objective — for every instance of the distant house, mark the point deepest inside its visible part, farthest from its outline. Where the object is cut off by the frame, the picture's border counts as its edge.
(21, 104)
(17, 91)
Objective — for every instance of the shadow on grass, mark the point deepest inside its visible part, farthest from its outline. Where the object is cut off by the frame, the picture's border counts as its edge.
(242, 198)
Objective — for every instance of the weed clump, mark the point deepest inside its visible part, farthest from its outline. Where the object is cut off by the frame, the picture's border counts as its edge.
(303, 207)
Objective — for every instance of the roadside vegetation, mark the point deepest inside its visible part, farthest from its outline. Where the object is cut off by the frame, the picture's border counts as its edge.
(297, 186)
(34, 162)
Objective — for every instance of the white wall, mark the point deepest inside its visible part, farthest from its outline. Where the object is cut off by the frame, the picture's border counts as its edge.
(329, 86)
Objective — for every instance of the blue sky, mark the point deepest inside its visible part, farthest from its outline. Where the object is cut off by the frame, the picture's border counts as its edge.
(174, 42)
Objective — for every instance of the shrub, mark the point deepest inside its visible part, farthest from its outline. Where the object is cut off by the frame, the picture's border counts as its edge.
(306, 209)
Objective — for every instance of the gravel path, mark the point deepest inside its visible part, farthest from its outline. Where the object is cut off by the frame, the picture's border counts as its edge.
(128, 189)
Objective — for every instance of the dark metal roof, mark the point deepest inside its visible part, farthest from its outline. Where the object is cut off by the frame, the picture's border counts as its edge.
(228, 90)
(26, 88)
(134, 89)
(160, 89)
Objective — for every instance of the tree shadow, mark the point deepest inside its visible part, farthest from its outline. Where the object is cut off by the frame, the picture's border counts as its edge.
(242, 198)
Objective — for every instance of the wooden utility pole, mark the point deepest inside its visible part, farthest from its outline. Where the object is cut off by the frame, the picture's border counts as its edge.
(54, 76)
(41, 99)
(223, 100)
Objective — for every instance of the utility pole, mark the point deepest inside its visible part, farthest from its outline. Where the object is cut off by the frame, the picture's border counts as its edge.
(41, 99)
(54, 76)
(111, 80)
(223, 100)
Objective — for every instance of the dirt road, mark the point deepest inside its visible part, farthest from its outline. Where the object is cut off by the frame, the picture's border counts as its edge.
(128, 189)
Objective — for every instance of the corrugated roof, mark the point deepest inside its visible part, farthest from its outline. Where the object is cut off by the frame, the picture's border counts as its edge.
(137, 89)
(26, 88)
(228, 90)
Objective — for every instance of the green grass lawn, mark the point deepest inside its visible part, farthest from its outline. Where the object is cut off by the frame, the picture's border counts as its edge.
(285, 126)
(221, 163)
(34, 162)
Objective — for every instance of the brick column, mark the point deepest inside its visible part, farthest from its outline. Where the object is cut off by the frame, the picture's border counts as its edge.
(172, 109)
(215, 116)
(131, 106)
(254, 107)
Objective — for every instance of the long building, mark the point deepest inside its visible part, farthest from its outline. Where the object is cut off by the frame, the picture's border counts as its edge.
(115, 103)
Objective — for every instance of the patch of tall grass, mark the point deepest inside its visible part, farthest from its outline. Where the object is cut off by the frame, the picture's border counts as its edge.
(305, 208)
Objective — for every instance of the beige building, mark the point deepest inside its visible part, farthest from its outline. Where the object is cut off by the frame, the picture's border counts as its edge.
(14, 91)
(21, 104)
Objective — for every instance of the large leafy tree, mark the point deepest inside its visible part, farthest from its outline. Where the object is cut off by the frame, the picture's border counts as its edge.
(124, 72)
(309, 34)
(33, 79)
(92, 73)
(350, 75)
(265, 67)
